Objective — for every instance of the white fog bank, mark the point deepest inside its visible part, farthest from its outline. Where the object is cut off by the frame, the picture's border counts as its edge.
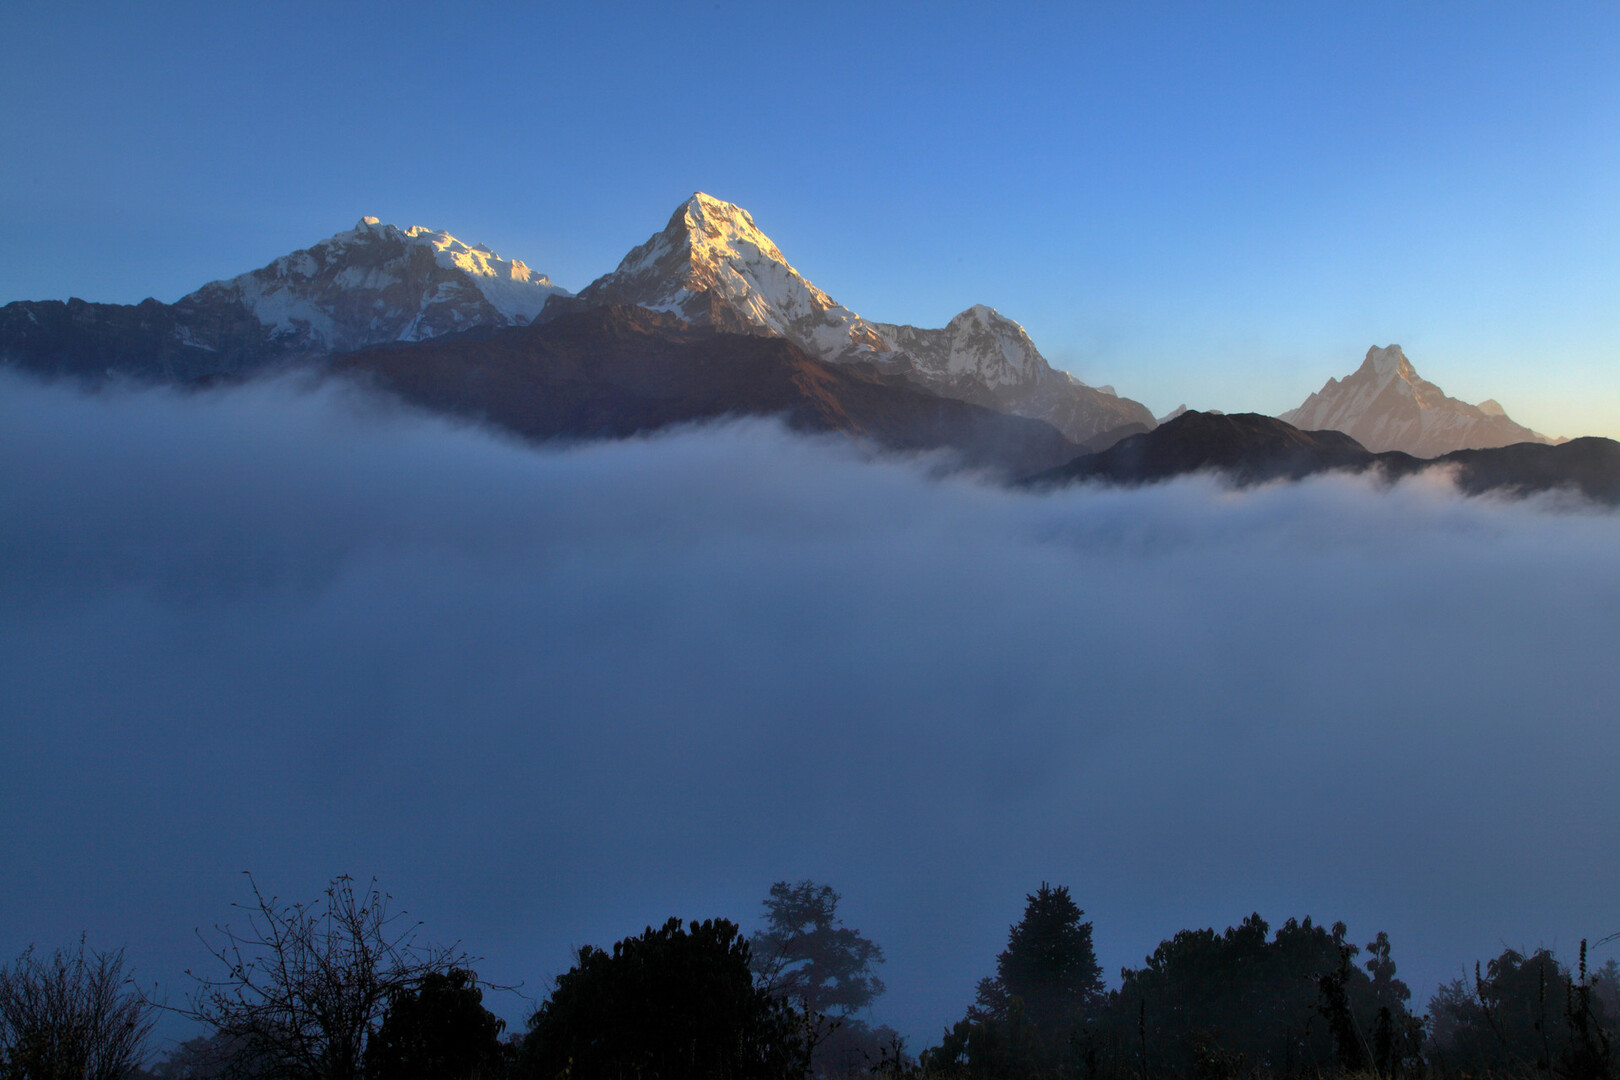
(549, 696)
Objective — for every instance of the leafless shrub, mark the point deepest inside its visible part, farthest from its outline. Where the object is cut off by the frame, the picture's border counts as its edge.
(306, 984)
(74, 1015)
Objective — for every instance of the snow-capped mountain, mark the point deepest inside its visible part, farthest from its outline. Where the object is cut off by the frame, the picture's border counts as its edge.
(378, 283)
(372, 285)
(712, 266)
(1386, 405)
(980, 345)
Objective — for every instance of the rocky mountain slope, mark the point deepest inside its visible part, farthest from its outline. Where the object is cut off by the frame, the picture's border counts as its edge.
(615, 370)
(714, 267)
(1386, 405)
(374, 283)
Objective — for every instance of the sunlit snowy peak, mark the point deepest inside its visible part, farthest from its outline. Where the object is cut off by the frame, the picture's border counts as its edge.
(712, 266)
(377, 283)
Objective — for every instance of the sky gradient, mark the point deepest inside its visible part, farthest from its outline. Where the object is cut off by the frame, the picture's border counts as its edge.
(1211, 204)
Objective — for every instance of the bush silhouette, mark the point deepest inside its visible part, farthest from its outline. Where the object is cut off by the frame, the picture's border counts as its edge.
(673, 1004)
(436, 1030)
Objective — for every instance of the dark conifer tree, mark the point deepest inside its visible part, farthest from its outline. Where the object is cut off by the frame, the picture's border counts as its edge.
(1049, 963)
(436, 1030)
(672, 1004)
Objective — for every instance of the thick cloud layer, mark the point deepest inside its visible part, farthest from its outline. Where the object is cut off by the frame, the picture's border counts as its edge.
(550, 696)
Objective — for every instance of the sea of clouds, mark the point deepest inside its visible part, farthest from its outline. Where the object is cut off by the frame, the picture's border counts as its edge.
(547, 696)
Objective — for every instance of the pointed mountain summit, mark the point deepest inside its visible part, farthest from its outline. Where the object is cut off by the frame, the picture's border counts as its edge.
(714, 267)
(1172, 414)
(1385, 405)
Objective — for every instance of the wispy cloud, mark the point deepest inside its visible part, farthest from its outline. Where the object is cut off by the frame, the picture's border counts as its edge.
(549, 696)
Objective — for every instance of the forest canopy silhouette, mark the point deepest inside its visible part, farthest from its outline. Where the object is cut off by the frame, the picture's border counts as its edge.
(345, 987)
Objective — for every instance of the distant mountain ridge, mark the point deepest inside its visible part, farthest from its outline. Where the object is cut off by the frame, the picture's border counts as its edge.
(1247, 448)
(1385, 405)
(711, 267)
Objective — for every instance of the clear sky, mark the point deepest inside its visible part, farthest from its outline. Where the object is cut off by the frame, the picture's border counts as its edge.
(1213, 204)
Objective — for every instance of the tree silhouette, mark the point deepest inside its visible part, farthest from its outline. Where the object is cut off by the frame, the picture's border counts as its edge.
(1049, 964)
(1521, 1012)
(806, 955)
(306, 984)
(437, 1029)
(1029, 1015)
(672, 1004)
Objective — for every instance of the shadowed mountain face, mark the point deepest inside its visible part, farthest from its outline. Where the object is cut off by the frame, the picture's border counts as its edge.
(150, 341)
(616, 370)
(1098, 443)
(1589, 465)
(1247, 448)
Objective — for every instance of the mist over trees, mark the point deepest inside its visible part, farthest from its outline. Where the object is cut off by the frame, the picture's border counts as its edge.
(1520, 1009)
(400, 596)
(341, 989)
(1047, 986)
(807, 957)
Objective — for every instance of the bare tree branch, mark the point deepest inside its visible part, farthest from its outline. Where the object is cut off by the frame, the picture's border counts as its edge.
(305, 984)
(73, 1014)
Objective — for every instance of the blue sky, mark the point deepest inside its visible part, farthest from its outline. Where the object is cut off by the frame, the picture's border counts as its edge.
(1213, 204)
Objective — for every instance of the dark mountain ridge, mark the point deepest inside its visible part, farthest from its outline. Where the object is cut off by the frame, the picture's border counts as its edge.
(1247, 448)
(181, 343)
(615, 370)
